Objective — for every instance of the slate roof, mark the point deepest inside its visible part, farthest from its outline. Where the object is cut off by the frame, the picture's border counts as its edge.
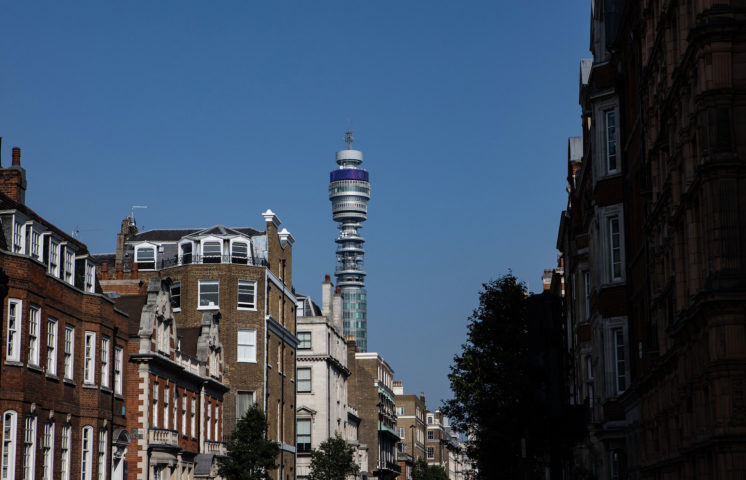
(203, 464)
(189, 337)
(7, 204)
(173, 235)
(132, 306)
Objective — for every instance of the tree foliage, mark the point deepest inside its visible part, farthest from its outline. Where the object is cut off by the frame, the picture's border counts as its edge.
(251, 455)
(423, 471)
(489, 380)
(334, 460)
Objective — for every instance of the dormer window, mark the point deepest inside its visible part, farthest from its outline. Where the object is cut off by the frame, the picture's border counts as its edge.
(35, 244)
(69, 265)
(185, 253)
(145, 257)
(18, 239)
(54, 258)
(90, 277)
(240, 252)
(212, 251)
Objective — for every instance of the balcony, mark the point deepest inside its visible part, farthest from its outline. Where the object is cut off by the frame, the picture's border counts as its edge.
(218, 448)
(194, 259)
(163, 437)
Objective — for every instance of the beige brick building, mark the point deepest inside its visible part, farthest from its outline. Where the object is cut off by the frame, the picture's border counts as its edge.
(410, 425)
(243, 276)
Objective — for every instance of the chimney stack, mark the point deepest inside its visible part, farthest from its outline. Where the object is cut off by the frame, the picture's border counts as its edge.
(13, 179)
(337, 309)
(326, 296)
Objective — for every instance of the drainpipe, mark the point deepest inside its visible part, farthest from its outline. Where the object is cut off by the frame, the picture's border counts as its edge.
(282, 375)
(112, 359)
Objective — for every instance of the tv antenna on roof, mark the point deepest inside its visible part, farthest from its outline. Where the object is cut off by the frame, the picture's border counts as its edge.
(132, 213)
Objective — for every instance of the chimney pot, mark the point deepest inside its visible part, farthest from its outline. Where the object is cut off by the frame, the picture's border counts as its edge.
(338, 290)
(327, 278)
(17, 156)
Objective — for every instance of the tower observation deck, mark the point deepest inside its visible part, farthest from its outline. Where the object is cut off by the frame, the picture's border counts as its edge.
(349, 192)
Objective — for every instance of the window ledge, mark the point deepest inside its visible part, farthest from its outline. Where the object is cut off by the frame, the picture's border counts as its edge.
(118, 396)
(250, 361)
(105, 389)
(69, 381)
(176, 309)
(90, 386)
(247, 309)
(35, 368)
(217, 307)
(53, 377)
(13, 363)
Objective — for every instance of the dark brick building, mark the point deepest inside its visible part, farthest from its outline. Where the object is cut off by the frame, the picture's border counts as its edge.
(62, 352)
(678, 73)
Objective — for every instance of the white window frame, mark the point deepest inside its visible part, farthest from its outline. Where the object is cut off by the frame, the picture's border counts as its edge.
(118, 359)
(105, 351)
(146, 246)
(54, 257)
(246, 346)
(298, 434)
(29, 448)
(103, 446)
(89, 358)
(303, 381)
(10, 437)
(181, 252)
(47, 472)
(52, 346)
(241, 241)
(204, 283)
(86, 453)
(184, 413)
(14, 322)
(35, 240)
(69, 265)
(19, 236)
(65, 439)
(252, 400)
(193, 423)
(155, 405)
(207, 240)
(69, 353)
(176, 304)
(90, 277)
(34, 331)
(166, 400)
(245, 305)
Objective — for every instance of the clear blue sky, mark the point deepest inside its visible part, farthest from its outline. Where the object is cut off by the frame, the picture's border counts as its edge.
(212, 112)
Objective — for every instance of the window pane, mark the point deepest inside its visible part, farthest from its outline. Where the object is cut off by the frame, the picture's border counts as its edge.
(209, 293)
(246, 294)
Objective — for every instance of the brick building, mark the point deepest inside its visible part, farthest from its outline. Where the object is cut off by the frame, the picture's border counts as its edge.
(673, 73)
(243, 275)
(174, 389)
(62, 351)
(410, 425)
(371, 392)
(440, 445)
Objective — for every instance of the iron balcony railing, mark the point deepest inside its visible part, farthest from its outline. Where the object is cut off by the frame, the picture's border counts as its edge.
(194, 259)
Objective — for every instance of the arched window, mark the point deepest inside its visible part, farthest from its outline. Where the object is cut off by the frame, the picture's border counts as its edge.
(86, 452)
(8, 467)
(145, 257)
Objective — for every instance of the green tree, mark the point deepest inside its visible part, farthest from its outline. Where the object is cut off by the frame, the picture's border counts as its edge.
(334, 460)
(251, 455)
(423, 471)
(489, 381)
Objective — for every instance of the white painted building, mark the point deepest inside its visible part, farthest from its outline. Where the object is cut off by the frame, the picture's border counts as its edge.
(322, 407)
